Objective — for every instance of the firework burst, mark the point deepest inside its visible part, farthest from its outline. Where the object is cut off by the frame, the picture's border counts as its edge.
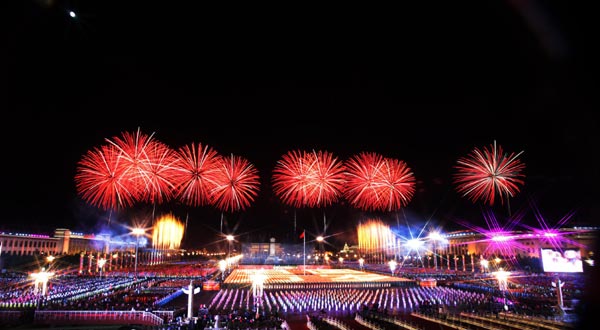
(237, 184)
(398, 185)
(195, 177)
(377, 183)
(136, 157)
(489, 174)
(363, 180)
(291, 178)
(160, 170)
(308, 179)
(103, 181)
(327, 181)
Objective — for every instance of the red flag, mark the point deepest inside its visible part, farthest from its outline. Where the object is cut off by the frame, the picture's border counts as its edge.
(302, 235)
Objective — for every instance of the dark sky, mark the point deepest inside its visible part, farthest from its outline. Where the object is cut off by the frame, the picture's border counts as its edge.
(424, 84)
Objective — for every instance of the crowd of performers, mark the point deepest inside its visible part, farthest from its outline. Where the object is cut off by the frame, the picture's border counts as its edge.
(237, 306)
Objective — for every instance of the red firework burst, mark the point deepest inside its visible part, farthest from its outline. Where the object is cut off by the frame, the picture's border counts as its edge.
(237, 184)
(488, 174)
(363, 180)
(397, 185)
(102, 181)
(292, 176)
(377, 183)
(327, 180)
(134, 152)
(196, 176)
(159, 172)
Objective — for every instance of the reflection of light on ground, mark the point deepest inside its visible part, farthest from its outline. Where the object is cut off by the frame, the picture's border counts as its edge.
(290, 275)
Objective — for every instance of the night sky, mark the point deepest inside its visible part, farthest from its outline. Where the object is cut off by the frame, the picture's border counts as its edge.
(424, 84)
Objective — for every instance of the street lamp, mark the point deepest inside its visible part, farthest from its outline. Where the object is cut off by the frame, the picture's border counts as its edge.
(222, 268)
(320, 240)
(435, 237)
(497, 262)
(393, 265)
(502, 277)
(41, 277)
(230, 239)
(137, 232)
(484, 265)
(258, 280)
(101, 263)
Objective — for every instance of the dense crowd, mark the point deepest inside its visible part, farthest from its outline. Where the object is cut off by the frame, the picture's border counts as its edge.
(237, 308)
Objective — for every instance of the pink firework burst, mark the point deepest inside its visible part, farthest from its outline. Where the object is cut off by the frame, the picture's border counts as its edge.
(237, 184)
(103, 181)
(292, 176)
(377, 183)
(197, 172)
(327, 179)
(488, 174)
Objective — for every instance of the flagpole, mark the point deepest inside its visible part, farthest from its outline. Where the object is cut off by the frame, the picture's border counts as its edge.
(304, 252)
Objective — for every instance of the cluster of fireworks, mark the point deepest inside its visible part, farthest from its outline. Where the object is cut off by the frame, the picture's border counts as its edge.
(367, 181)
(135, 167)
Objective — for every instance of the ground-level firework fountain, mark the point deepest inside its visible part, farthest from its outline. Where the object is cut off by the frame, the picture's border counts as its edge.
(167, 234)
(376, 242)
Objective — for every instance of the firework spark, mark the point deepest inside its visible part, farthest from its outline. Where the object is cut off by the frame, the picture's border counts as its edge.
(485, 175)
